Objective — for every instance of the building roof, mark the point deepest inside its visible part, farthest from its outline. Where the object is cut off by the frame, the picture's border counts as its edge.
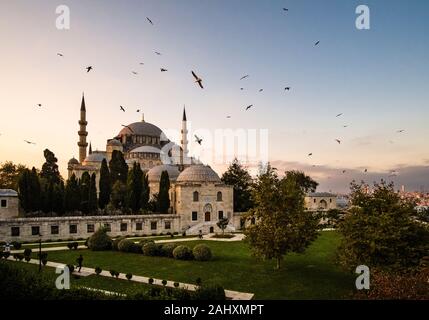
(141, 128)
(73, 161)
(95, 156)
(114, 142)
(8, 193)
(146, 149)
(321, 194)
(198, 173)
(154, 174)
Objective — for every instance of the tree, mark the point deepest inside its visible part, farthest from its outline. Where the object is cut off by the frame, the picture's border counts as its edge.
(36, 190)
(163, 194)
(72, 195)
(117, 198)
(118, 168)
(92, 196)
(84, 185)
(9, 175)
(58, 198)
(105, 185)
(238, 177)
(145, 194)
(24, 190)
(134, 188)
(222, 224)
(379, 230)
(50, 170)
(282, 224)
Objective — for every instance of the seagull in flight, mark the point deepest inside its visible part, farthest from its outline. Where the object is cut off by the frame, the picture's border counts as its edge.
(228, 117)
(127, 128)
(138, 110)
(338, 140)
(141, 63)
(345, 126)
(244, 77)
(121, 108)
(29, 142)
(317, 43)
(39, 104)
(400, 131)
(158, 53)
(366, 170)
(285, 9)
(198, 80)
(88, 69)
(134, 72)
(248, 107)
(344, 171)
(260, 90)
(60, 54)
(339, 115)
(150, 21)
(163, 70)
(198, 140)
(287, 88)
(310, 154)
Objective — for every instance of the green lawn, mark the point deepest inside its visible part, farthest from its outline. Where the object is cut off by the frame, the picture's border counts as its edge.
(312, 275)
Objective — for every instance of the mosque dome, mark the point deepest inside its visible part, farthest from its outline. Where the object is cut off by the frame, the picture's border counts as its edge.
(198, 173)
(154, 174)
(146, 149)
(73, 161)
(96, 156)
(141, 128)
(114, 142)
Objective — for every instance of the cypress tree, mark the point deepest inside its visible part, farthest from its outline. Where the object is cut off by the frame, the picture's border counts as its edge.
(92, 197)
(35, 190)
(24, 190)
(145, 194)
(84, 185)
(105, 185)
(72, 195)
(163, 195)
(50, 170)
(118, 168)
(58, 198)
(134, 188)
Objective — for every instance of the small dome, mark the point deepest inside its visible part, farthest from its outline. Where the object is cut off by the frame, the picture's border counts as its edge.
(154, 174)
(198, 173)
(73, 161)
(96, 156)
(146, 149)
(114, 142)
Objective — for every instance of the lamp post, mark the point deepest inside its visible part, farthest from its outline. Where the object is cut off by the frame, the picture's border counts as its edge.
(40, 252)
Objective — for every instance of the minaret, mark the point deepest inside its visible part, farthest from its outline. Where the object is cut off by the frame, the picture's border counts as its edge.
(82, 131)
(90, 148)
(184, 141)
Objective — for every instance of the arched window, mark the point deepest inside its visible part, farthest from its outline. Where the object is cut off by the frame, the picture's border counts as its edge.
(219, 196)
(196, 196)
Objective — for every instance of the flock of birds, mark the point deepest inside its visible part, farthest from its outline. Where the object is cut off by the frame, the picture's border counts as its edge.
(199, 82)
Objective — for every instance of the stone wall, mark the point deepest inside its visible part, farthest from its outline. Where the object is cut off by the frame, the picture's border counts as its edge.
(81, 226)
(11, 209)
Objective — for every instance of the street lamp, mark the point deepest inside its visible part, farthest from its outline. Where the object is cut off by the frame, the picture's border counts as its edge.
(40, 252)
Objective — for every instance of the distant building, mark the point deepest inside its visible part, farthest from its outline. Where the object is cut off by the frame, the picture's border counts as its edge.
(320, 201)
(9, 203)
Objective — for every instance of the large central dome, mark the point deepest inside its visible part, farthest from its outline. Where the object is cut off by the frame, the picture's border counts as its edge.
(198, 173)
(141, 128)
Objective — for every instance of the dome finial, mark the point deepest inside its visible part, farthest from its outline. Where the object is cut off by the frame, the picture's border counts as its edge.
(142, 116)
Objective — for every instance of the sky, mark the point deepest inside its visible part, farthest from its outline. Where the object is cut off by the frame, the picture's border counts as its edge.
(377, 78)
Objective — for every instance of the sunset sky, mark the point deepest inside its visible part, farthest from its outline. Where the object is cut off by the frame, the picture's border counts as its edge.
(378, 79)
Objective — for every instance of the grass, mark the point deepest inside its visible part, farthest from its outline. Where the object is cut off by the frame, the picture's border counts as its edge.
(311, 275)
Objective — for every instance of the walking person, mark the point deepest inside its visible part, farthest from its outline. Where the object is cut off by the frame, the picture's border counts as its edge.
(79, 262)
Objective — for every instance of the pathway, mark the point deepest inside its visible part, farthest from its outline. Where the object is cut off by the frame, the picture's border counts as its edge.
(85, 271)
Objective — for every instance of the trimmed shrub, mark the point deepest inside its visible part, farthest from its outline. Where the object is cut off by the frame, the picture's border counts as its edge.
(199, 282)
(75, 245)
(100, 241)
(150, 249)
(164, 282)
(150, 281)
(20, 256)
(116, 274)
(44, 261)
(126, 245)
(71, 268)
(168, 248)
(182, 253)
(16, 245)
(97, 270)
(27, 258)
(115, 243)
(27, 252)
(112, 273)
(129, 276)
(212, 292)
(144, 241)
(176, 284)
(6, 255)
(202, 252)
(70, 245)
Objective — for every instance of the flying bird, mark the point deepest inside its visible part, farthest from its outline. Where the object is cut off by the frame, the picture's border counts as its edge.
(127, 128)
(338, 140)
(60, 55)
(287, 88)
(241, 88)
(150, 21)
(366, 170)
(39, 104)
(141, 63)
(88, 69)
(260, 90)
(198, 80)
(339, 115)
(121, 108)
(345, 126)
(29, 142)
(244, 77)
(158, 53)
(285, 9)
(400, 131)
(134, 72)
(198, 140)
(138, 110)
(228, 117)
(310, 154)
(317, 42)
(248, 107)
(344, 171)
(163, 70)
